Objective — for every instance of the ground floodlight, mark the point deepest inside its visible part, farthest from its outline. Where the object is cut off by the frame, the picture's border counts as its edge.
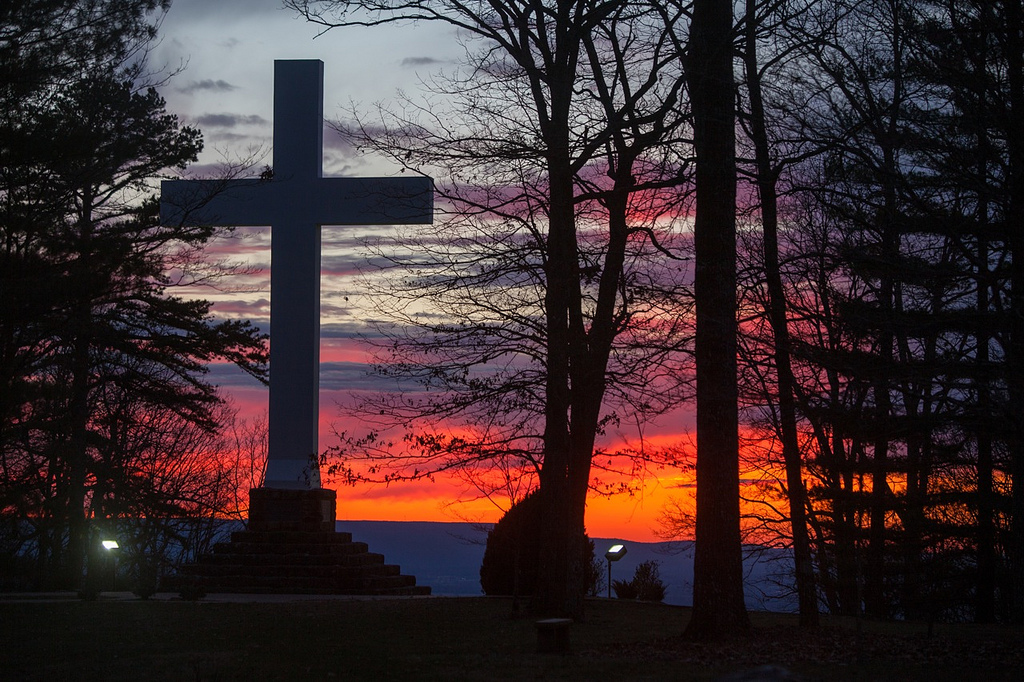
(110, 544)
(614, 553)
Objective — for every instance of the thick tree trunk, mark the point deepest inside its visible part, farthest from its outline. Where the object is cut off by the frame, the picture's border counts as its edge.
(553, 577)
(718, 605)
(77, 452)
(80, 368)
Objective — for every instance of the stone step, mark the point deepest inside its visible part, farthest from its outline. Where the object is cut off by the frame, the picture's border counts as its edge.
(411, 591)
(356, 559)
(290, 548)
(278, 570)
(295, 561)
(286, 536)
(267, 559)
(376, 585)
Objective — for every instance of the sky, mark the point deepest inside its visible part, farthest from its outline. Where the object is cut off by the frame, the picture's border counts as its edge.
(223, 52)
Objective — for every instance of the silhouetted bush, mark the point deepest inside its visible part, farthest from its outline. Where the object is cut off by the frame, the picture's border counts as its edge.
(623, 589)
(510, 559)
(646, 584)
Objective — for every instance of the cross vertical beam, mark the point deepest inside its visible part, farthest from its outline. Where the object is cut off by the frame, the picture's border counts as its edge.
(298, 119)
(295, 281)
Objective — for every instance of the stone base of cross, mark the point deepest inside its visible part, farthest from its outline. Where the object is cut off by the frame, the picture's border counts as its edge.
(296, 201)
(274, 509)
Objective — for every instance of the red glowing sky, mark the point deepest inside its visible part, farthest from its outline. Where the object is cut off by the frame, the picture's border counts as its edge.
(345, 364)
(446, 498)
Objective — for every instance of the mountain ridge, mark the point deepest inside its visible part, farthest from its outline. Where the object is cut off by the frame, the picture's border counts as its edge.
(447, 556)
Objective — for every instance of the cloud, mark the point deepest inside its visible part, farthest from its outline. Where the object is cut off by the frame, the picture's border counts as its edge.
(228, 376)
(192, 12)
(419, 61)
(347, 265)
(208, 84)
(342, 329)
(351, 376)
(337, 136)
(229, 120)
(240, 308)
(341, 157)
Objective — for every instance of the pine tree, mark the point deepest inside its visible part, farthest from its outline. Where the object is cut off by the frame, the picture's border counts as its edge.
(86, 318)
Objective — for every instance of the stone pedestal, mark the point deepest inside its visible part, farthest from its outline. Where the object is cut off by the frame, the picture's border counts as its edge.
(291, 547)
(273, 509)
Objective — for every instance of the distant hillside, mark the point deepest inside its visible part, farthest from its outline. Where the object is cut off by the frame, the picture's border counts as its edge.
(447, 556)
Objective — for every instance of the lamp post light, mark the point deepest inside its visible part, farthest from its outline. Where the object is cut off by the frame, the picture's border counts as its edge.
(614, 553)
(110, 546)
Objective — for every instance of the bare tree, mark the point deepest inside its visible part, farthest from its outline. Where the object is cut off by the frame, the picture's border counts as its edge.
(572, 109)
(758, 19)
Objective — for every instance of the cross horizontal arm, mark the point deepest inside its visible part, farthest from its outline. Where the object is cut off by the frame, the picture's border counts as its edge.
(323, 201)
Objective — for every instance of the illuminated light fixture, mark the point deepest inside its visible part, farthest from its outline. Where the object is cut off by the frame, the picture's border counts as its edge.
(110, 544)
(614, 553)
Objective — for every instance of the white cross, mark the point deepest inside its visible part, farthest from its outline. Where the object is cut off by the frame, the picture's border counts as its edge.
(295, 203)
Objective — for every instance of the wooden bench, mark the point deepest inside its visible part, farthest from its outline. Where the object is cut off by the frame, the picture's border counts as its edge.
(553, 635)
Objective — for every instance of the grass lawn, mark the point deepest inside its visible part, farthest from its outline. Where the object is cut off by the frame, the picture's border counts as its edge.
(463, 639)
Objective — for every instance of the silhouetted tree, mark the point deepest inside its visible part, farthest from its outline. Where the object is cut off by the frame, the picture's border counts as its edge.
(569, 116)
(971, 54)
(900, 311)
(884, 340)
(93, 348)
(759, 18)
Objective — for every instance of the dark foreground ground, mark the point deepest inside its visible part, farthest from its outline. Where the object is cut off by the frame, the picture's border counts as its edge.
(465, 639)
